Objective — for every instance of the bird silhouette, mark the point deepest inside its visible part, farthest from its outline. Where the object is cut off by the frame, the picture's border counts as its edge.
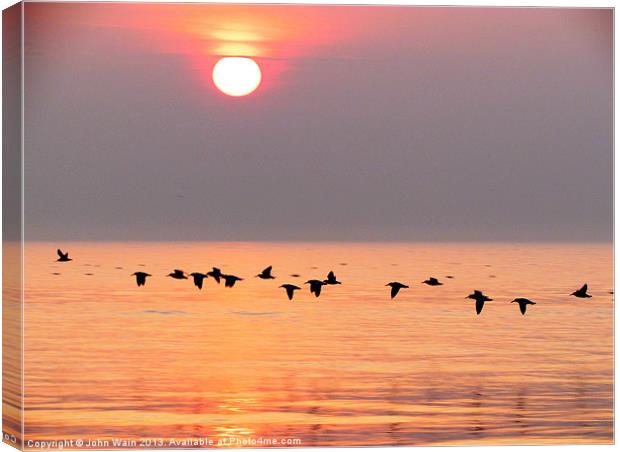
(216, 274)
(63, 257)
(177, 274)
(396, 286)
(582, 293)
(290, 290)
(198, 278)
(432, 282)
(140, 278)
(331, 279)
(315, 286)
(480, 299)
(230, 280)
(266, 274)
(523, 302)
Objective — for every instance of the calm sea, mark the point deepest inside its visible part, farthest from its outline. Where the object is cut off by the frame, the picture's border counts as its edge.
(106, 360)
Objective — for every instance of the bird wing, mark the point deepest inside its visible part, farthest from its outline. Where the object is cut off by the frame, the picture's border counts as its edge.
(394, 291)
(584, 289)
(267, 271)
(317, 289)
(479, 306)
(60, 253)
(290, 292)
(523, 307)
(331, 276)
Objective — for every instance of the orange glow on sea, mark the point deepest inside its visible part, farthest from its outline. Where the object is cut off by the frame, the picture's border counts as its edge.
(106, 359)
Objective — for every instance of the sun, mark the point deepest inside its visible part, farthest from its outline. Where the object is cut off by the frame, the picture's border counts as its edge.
(236, 76)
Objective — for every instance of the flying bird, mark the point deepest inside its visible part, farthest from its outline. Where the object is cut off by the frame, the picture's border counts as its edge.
(63, 257)
(216, 274)
(582, 293)
(480, 299)
(198, 278)
(432, 282)
(230, 280)
(396, 286)
(178, 274)
(523, 302)
(266, 274)
(331, 279)
(140, 278)
(315, 286)
(290, 290)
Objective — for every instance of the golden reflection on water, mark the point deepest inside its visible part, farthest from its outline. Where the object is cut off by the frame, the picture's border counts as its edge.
(107, 359)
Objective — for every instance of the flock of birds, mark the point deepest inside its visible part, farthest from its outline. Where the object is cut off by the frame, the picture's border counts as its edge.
(317, 284)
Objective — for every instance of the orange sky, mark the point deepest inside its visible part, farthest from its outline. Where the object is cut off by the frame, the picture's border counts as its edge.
(363, 107)
(271, 34)
(277, 35)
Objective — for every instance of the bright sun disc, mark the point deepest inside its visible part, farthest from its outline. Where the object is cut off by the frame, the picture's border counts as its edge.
(236, 76)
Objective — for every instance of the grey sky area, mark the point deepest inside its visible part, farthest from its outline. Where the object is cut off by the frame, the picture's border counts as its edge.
(371, 124)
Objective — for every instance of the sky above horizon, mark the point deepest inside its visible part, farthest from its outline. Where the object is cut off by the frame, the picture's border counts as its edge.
(371, 123)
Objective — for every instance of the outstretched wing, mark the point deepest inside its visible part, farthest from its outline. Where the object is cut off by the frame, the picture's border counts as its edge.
(394, 291)
(267, 271)
(523, 307)
(60, 254)
(584, 289)
(479, 306)
(290, 291)
(317, 289)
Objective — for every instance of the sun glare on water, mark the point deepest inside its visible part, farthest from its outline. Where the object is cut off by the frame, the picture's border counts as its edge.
(237, 76)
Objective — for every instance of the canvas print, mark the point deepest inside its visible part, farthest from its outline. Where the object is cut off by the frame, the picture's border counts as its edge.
(234, 225)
